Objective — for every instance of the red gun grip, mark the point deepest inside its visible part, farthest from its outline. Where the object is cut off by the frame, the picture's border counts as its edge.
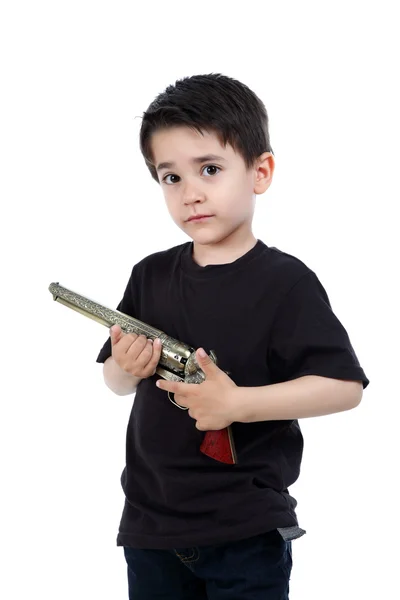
(219, 446)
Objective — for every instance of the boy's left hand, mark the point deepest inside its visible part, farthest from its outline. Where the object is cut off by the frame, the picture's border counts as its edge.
(211, 403)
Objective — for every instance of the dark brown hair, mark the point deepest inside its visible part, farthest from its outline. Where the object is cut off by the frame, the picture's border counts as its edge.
(214, 103)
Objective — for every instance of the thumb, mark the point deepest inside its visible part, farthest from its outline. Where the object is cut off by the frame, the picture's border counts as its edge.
(115, 334)
(205, 361)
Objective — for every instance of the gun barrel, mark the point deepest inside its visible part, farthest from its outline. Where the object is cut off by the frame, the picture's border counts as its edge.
(174, 354)
(102, 314)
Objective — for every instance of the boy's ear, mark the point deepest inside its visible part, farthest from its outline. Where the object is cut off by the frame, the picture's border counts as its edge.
(264, 170)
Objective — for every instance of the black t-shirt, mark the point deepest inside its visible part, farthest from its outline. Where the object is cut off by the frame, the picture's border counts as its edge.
(269, 320)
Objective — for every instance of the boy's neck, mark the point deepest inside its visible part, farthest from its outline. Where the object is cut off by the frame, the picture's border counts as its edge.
(223, 253)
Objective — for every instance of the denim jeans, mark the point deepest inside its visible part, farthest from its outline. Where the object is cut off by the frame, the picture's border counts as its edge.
(252, 569)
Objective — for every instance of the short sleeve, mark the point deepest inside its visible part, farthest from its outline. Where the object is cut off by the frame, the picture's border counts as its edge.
(308, 339)
(126, 306)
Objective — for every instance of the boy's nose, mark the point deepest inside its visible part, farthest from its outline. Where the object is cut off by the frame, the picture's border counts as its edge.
(192, 194)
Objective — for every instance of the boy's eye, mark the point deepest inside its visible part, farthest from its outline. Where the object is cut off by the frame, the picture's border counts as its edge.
(208, 170)
(170, 182)
(211, 169)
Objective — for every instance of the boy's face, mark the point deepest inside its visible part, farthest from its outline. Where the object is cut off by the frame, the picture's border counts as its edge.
(203, 177)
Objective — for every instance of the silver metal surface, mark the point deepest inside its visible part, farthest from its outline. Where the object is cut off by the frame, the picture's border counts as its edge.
(178, 360)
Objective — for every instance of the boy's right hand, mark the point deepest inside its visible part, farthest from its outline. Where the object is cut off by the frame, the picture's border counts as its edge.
(135, 354)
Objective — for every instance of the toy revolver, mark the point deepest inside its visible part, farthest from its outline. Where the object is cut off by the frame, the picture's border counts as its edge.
(177, 361)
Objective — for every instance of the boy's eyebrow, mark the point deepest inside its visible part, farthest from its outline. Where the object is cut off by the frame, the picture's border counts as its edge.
(195, 160)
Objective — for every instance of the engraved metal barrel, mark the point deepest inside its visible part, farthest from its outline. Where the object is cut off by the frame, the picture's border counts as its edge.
(178, 360)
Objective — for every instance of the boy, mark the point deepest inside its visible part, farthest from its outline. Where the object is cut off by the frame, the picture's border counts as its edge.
(192, 527)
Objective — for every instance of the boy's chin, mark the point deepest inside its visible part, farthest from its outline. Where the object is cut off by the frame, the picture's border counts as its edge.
(208, 239)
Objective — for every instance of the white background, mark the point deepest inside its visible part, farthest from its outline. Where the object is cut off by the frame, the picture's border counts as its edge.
(79, 207)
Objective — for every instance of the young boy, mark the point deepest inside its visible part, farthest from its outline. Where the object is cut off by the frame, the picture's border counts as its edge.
(193, 527)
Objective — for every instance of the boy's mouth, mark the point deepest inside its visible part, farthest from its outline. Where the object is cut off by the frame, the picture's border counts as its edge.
(199, 218)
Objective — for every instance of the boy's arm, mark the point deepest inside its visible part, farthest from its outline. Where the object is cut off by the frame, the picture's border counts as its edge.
(308, 396)
(118, 380)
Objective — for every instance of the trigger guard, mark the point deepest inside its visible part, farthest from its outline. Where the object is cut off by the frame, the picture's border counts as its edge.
(173, 402)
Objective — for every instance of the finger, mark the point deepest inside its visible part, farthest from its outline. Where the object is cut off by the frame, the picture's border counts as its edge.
(200, 426)
(134, 347)
(144, 359)
(183, 401)
(116, 334)
(151, 357)
(185, 391)
(167, 386)
(121, 348)
(156, 355)
(175, 387)
(205, 362)
(124, 340)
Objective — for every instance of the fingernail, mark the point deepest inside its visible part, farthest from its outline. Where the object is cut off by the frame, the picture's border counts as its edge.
(202, 353)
